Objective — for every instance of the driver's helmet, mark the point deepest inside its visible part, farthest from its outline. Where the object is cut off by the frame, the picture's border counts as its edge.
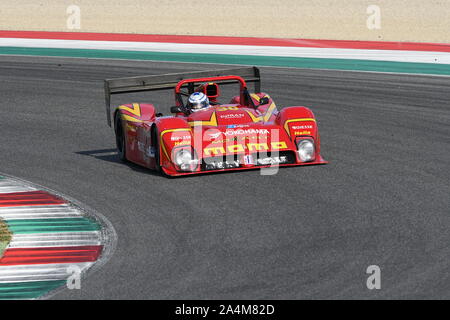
(198, 101)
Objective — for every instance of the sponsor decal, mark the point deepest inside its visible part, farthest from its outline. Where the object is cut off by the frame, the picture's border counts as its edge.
(302, 127)
(240, 132)
(272, 160)
(258, 146)
(182, 143)
(177, 138)
(252, 147)
(216, 165)
(221, 141)
(287, 122)
(214, 150)
(232, 116)
(302, 133)
(248, 159)
(245, 132)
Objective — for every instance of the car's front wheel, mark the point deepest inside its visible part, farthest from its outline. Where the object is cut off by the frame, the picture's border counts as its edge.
(155, 144)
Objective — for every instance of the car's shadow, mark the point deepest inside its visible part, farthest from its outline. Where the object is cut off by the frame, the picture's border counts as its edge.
(110, 155)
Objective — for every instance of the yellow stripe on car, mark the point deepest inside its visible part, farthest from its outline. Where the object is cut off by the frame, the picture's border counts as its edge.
(167, 131)
(136, 110)
(211, 122)
(128, 118)
(255, 96)
(264, 117)
(286, 124)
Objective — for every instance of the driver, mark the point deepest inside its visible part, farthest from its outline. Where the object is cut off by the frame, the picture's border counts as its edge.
(198, 101)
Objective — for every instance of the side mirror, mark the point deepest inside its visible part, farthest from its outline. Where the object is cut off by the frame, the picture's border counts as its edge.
(175, 109)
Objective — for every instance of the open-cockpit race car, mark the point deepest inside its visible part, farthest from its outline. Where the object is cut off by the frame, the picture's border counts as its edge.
(204, 135)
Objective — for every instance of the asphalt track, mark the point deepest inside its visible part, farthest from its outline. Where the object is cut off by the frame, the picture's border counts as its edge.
(306, 232)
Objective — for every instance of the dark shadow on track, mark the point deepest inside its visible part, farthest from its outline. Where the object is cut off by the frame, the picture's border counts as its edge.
(110, 155)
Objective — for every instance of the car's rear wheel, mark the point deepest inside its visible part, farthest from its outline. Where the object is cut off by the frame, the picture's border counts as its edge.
(120, 139)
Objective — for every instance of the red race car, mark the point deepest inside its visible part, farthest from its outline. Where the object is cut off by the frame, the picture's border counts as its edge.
(204, 135)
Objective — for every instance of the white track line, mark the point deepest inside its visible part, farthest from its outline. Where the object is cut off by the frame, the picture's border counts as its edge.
(8, 186)
(38, 272)
(303, 52)
(66, 239)
(39, 212)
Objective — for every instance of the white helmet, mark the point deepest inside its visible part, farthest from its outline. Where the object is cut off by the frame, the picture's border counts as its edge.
(197, 101)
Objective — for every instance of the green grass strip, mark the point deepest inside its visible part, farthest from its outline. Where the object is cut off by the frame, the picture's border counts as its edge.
(52, 225)
(27, 290)
(311, 63)
(5, 236)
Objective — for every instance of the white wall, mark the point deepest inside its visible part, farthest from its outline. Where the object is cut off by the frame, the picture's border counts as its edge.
(401, 20)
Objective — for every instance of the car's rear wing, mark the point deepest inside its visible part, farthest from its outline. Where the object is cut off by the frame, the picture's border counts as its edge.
(169, 81)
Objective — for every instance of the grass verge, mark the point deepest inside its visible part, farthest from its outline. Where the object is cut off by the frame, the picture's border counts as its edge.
(5, 237)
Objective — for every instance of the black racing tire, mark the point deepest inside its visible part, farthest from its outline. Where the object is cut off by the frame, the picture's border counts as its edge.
(155, 140)
(120, 139)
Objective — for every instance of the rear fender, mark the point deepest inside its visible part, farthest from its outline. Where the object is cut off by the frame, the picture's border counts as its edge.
(136, 112)
(133, 116)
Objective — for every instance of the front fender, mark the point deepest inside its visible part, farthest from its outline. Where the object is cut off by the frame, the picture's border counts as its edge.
(299, 122)
(171, 133)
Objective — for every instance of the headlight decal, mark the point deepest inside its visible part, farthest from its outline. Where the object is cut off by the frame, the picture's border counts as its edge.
(306, 149)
